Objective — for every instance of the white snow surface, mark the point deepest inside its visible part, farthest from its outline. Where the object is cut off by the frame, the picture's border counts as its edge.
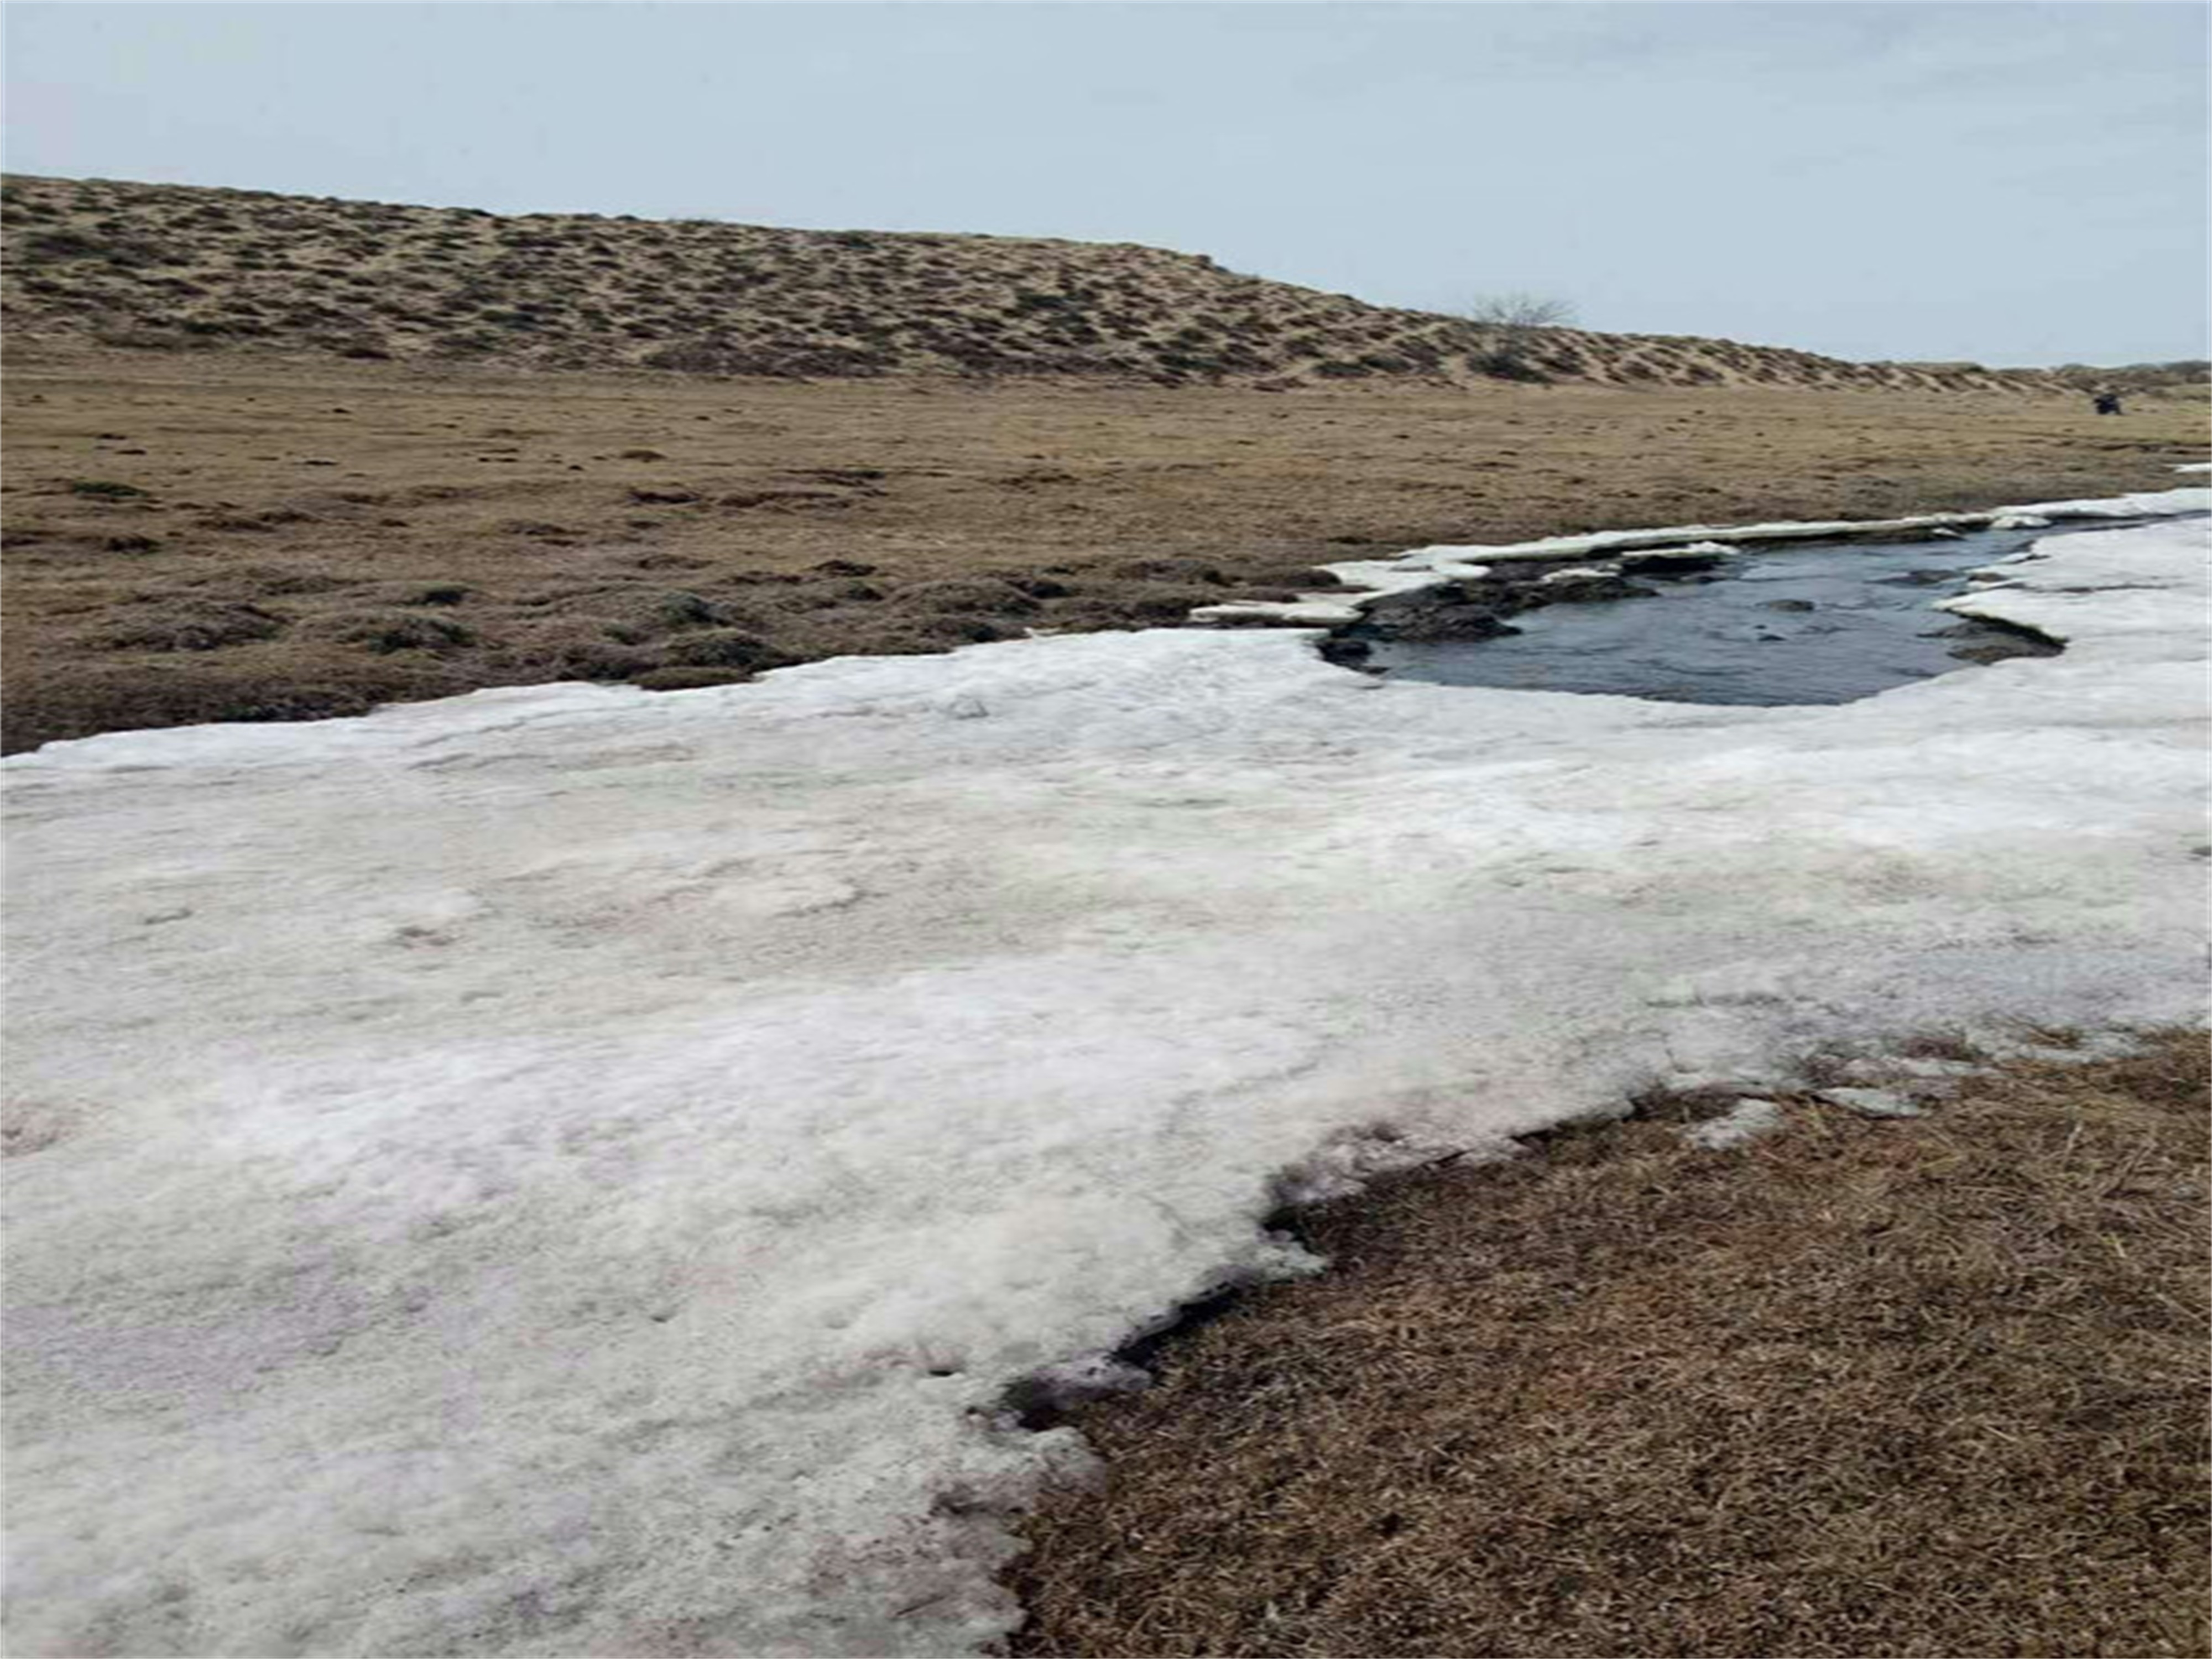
(2135, 504)
(571, 1170)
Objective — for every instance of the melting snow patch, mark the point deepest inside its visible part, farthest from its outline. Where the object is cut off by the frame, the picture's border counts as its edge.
(575, 1169)
(1348, 1161)
(1747, 1121)
(1872, 1103)
(1314, 608)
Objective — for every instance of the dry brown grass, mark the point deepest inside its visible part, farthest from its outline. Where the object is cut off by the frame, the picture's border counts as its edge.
(303, 537)
(179, 267)
(1931, 1387)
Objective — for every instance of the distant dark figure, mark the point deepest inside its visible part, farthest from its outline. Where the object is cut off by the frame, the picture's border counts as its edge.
(2108, 402)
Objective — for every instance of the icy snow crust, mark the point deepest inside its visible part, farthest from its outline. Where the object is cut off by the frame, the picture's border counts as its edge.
(1365, 579)
(571, 1170)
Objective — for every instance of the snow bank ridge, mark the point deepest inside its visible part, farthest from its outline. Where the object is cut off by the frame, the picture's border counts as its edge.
(1364, 580)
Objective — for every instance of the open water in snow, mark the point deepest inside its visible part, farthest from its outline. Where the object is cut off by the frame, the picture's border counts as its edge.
(1743, 638)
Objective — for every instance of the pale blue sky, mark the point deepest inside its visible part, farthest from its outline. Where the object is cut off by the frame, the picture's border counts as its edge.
(2014, 183)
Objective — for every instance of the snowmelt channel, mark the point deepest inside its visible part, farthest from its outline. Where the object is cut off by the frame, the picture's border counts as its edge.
(1802, 623)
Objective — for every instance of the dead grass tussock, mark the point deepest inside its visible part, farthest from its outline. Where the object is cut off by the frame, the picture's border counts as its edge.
(278, 685)
(1921, 1388)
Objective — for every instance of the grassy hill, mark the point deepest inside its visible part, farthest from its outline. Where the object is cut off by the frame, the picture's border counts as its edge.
(178, 267)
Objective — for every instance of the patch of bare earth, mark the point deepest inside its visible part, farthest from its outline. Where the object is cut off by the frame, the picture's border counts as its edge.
(1930, 1386)
(228, 536)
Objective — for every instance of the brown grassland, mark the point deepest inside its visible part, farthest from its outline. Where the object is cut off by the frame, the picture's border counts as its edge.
(224, 536)
(1925, 1386)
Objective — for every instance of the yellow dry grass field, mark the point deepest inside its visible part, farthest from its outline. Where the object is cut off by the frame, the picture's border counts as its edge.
(1921, 1387)
(222, 536)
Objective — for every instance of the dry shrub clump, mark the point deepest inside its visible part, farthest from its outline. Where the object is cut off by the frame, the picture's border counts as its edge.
(1924, 1387)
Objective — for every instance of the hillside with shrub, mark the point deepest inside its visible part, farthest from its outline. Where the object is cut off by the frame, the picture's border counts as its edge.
(173, 267)
(2189, 378)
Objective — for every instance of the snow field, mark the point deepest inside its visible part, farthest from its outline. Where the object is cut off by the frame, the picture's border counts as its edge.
(571, 1170)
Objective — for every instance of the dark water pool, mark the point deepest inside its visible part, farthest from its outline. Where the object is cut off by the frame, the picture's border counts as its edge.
(1821, 624)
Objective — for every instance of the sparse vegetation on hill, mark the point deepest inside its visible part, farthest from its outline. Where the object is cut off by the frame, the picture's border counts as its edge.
(179, 267)
(2189, 378)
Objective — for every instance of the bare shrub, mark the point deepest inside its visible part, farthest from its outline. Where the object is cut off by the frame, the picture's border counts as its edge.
(1519, 310)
